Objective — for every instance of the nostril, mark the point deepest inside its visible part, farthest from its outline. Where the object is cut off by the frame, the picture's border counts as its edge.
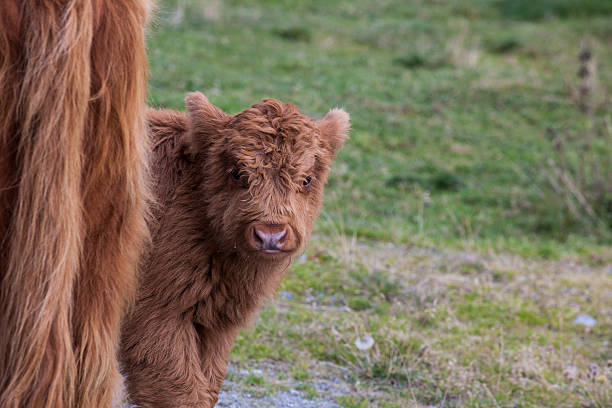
(269, 236)
(259, 237)
(278, 238)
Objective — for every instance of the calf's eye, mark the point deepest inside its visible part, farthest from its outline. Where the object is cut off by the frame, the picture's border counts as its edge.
(235, 174)
(306, 181)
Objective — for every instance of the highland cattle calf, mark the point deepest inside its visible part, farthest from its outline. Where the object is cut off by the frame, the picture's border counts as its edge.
(237, 197)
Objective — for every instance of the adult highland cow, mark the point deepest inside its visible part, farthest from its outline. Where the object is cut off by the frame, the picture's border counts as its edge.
(72, 194)
(237, 196)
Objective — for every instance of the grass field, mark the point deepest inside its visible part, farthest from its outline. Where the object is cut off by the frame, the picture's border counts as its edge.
(444, 235)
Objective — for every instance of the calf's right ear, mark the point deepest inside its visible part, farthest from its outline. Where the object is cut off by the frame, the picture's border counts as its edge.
(334, 128)
(205, 122)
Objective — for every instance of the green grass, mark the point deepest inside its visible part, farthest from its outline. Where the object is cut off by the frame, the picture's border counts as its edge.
(450, 106)
(453, 105)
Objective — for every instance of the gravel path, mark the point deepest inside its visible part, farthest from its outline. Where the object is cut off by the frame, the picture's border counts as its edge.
(328, 380)
(281, 399)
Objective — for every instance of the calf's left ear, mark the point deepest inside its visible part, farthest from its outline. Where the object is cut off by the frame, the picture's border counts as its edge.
(334, 129)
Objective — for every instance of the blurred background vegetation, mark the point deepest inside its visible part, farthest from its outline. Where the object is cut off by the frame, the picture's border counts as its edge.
(469, 117)
(482, 126)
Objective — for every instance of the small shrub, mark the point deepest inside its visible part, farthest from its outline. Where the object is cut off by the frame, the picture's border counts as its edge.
(539, 9)
(411, 61)
(294, 34)
(416, 61)
(359, 303)
(446, 181)
(578, 167)
(429, 177)
(504, 45)
(253, 379)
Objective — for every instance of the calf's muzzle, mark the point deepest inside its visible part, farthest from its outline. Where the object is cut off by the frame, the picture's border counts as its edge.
(270, 238)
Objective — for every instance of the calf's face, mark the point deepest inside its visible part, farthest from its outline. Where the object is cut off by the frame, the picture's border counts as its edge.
(264, 171)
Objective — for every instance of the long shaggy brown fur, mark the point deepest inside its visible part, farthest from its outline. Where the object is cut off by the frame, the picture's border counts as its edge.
(238, 197)
(72, 194)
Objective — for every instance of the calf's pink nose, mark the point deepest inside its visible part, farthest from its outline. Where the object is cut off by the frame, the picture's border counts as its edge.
(269, 237)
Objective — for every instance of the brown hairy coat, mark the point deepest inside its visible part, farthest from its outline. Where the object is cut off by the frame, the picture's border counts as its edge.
(238, 197)
(72, 194)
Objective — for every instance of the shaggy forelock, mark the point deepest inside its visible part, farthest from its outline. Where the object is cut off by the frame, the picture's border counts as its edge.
(273, 141)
